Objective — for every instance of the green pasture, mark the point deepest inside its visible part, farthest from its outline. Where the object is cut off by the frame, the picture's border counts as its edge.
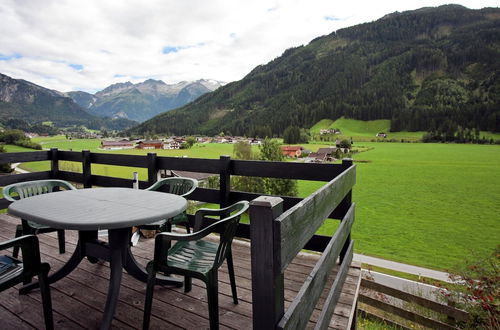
(360, 130)
(432, 205)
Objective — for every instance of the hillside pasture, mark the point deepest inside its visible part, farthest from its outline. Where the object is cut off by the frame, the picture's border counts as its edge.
(360, 130)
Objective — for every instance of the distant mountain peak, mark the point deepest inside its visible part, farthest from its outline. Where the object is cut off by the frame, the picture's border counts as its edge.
(143, 100)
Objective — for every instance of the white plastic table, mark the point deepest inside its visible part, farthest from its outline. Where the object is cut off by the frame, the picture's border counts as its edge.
(90, 210)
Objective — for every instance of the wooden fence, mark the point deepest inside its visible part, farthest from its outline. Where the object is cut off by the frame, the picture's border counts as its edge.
(278, 236)
(453, 315)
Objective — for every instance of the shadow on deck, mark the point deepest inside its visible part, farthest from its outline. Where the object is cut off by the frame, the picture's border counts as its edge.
(78, 299)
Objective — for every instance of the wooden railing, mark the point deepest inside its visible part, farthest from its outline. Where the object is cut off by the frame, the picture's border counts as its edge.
(278, 236)
(453, 315)
(280, 227)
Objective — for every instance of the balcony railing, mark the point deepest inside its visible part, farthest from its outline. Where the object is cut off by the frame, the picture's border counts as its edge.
(280, 226)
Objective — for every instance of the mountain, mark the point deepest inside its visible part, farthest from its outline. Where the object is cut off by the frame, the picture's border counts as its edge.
(33, 104)
(420, 69)
(143, 100)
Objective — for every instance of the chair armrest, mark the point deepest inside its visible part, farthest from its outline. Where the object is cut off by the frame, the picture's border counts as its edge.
(25, 241)
(224, 212)
(186, 237)
(31, 252)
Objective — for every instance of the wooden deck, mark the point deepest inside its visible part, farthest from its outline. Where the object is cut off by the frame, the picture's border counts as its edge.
(78, 300)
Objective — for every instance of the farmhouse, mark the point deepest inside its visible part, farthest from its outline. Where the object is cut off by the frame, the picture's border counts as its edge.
(117, 145)
(150, 144)
(292, 151)
(329, 131)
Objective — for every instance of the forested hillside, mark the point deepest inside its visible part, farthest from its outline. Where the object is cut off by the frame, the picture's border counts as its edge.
(423, 70)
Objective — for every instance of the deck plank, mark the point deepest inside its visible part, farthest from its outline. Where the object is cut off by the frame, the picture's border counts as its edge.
(78, 299)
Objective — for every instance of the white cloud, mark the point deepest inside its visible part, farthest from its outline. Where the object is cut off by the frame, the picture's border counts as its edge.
(117, 40)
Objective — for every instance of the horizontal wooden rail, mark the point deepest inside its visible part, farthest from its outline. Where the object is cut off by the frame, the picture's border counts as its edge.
(407, 315)
(71, 156)
(119, 160)
(286, 170)
(299, 312)
(14, 178)
(189, 164)
(299, 223)
(453, 312)
(20, 157)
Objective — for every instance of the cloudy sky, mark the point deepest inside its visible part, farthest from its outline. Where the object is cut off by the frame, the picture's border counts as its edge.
(88, 45)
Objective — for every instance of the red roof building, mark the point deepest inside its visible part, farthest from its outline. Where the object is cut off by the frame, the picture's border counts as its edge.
(151, 144)
(292, 151)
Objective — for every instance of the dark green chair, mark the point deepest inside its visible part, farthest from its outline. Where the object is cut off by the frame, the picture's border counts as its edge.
(191, 256)
(28, 189)
(178, 186)
(13, 271)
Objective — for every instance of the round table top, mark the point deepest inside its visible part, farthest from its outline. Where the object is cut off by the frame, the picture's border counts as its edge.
(98, 208)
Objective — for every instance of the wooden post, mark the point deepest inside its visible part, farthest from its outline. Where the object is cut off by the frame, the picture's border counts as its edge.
(346, 204)
(54, 163)
(225, 180)
(86, 169)
(152, 168)
(267, 279)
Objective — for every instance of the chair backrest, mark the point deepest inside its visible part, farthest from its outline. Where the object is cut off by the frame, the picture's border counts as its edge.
(227, 229)
(178, 186)
(33, 188)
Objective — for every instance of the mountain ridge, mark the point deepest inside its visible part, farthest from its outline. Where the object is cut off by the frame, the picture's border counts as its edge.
(421, 69)
(143, 100)
(34, 104)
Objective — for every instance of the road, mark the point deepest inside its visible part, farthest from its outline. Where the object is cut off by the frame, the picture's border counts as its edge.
(419, 271)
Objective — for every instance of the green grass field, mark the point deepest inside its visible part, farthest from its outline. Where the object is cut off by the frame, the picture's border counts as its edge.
(431, 205)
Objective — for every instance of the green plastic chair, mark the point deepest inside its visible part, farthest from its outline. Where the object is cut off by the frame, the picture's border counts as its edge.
(13, 271)
(28, 189)
(178, 186)
(191, 256)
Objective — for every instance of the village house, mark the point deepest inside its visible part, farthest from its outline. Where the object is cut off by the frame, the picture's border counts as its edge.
(117, 145)
(172, 144)
(150, 144)
(329, 131)
(292, 151)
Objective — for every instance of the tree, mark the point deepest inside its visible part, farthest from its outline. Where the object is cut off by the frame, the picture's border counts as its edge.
(4, 168)
(291, 135)
(270, 150)
(345, 144)
(190, 141)
(243, 150)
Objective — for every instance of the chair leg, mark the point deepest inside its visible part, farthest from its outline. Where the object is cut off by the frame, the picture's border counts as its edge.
(213, 300)
(46, 299)
(19, 233)
(149, 296)
(187, 283)
(62, 241)
(230, 268)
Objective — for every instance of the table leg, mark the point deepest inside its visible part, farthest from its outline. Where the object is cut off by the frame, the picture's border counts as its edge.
(139, 272)
(68, 267)
(117, 253)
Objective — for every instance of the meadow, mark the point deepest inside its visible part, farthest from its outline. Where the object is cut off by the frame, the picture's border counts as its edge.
(431, 205)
